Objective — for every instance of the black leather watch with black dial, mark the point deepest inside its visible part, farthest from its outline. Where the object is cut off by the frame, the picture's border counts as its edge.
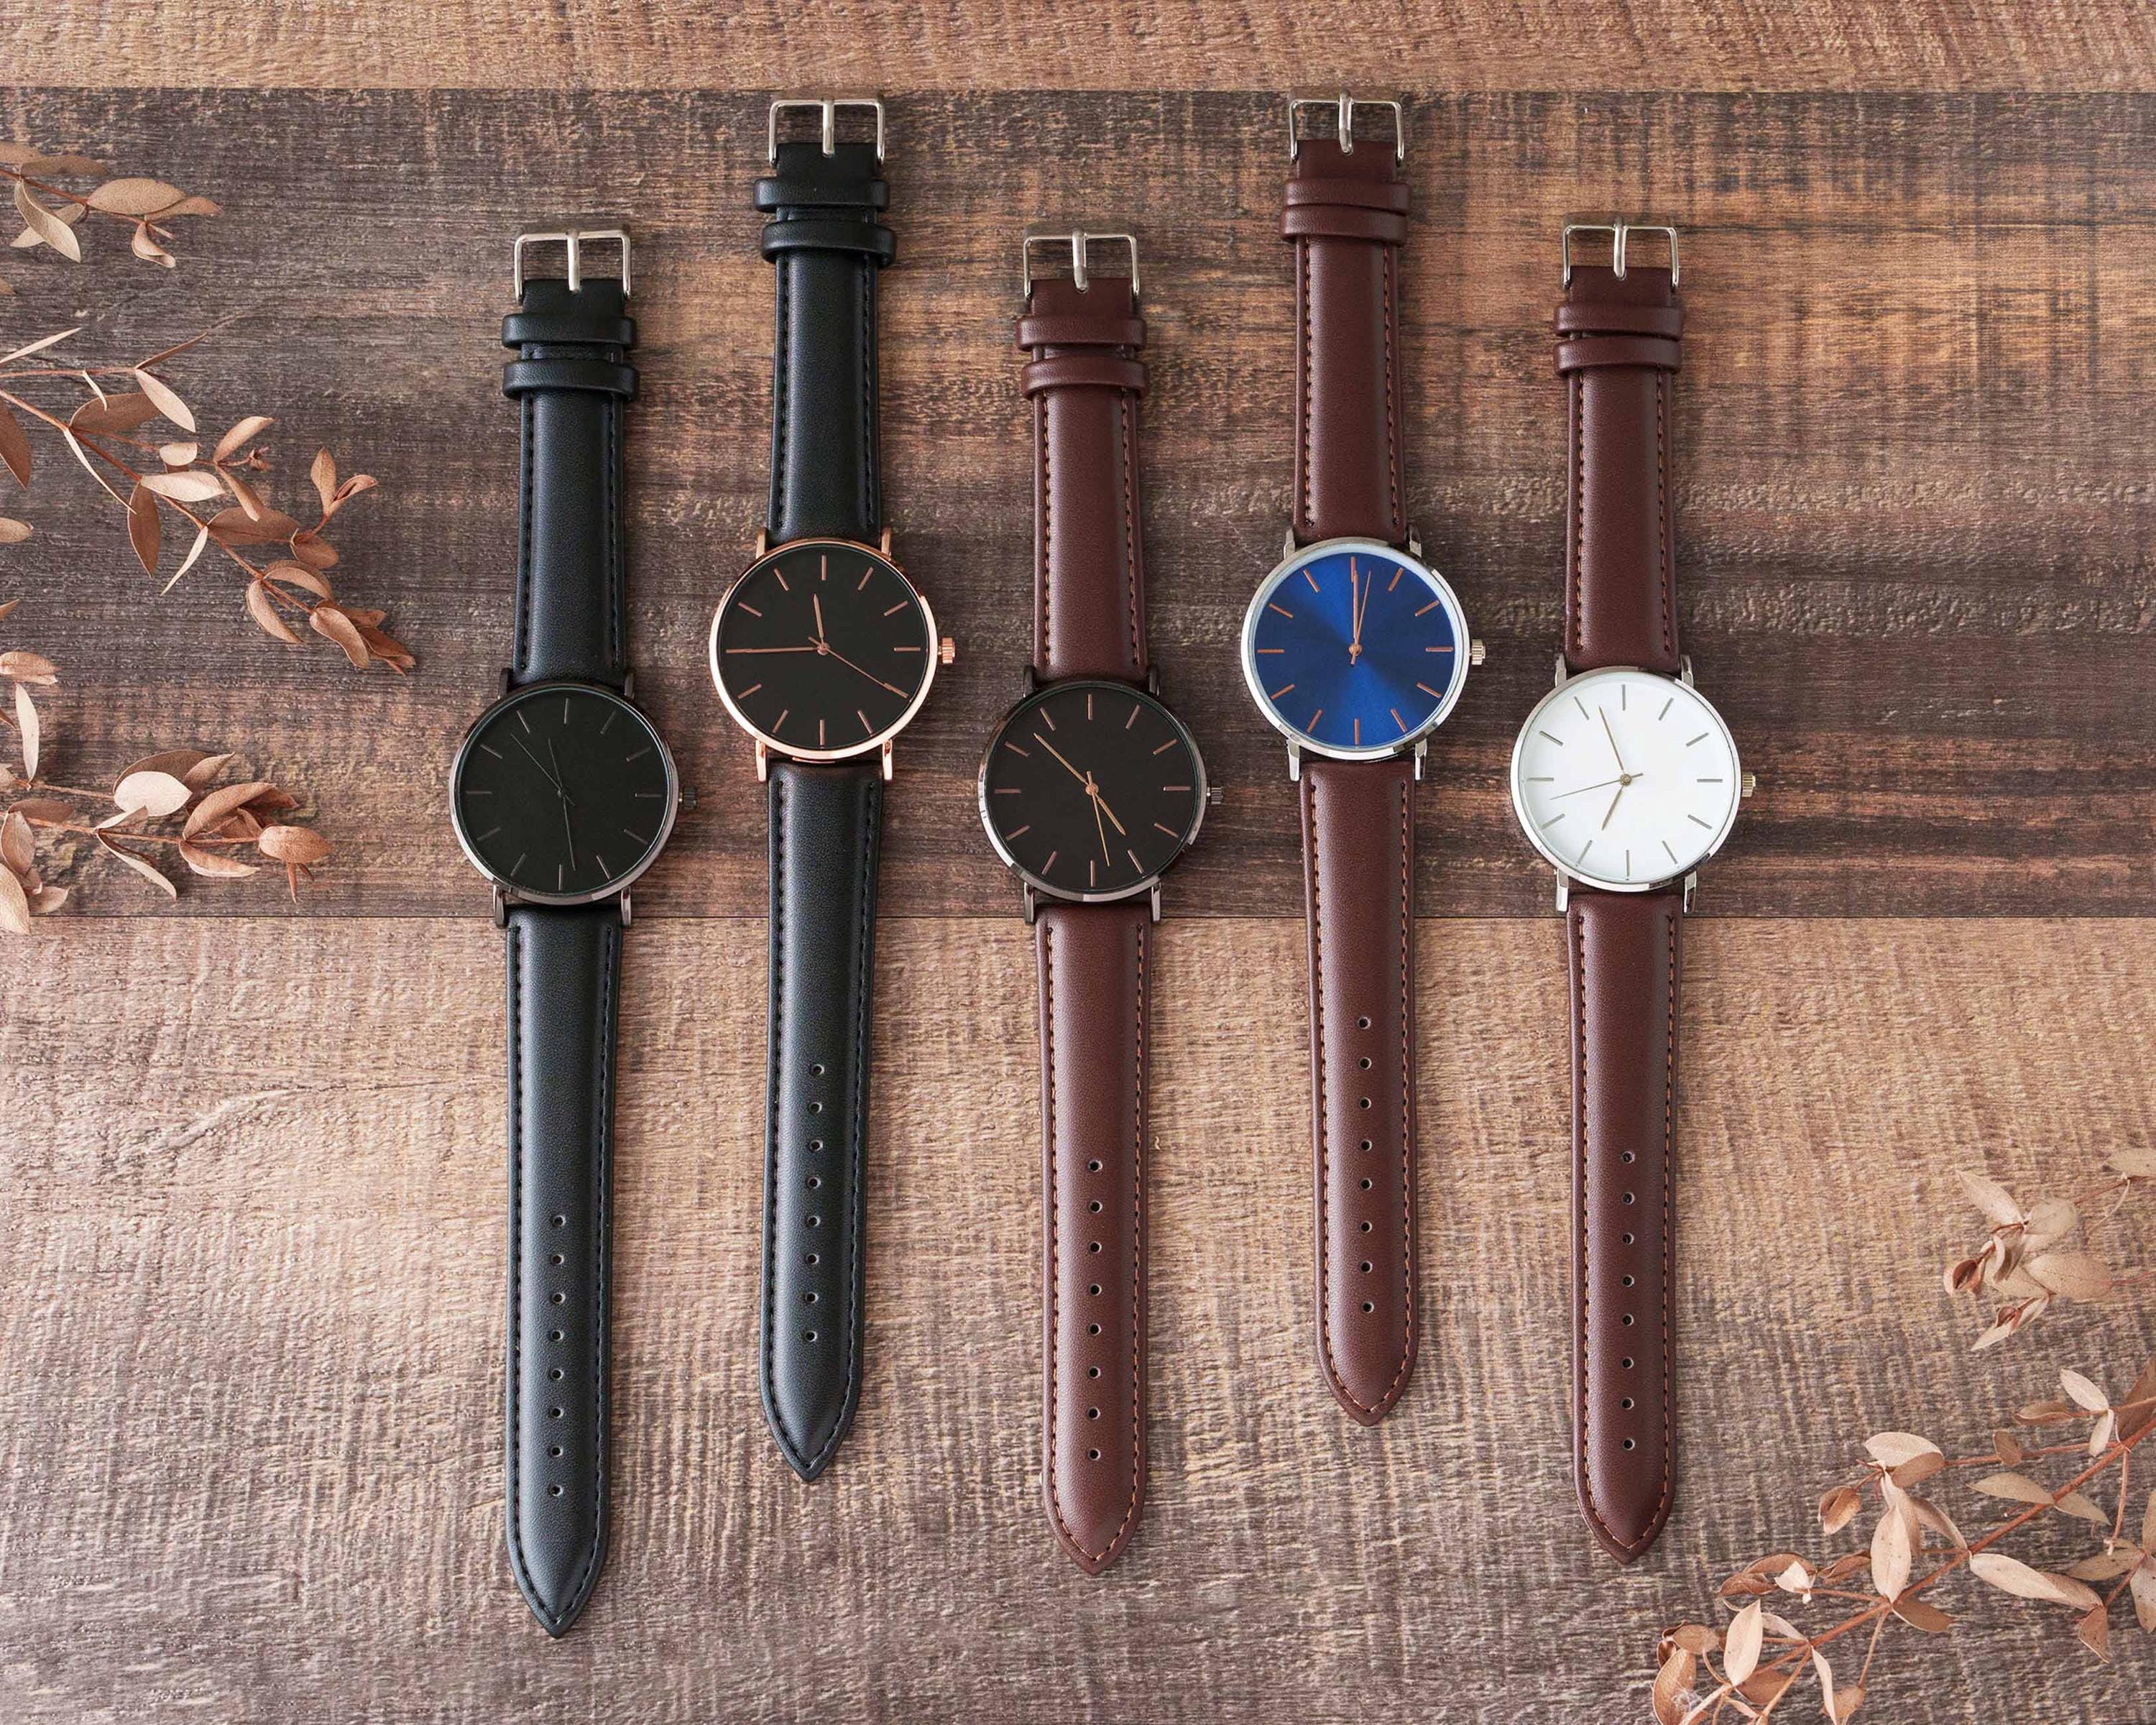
(823, 651)
(562, 795)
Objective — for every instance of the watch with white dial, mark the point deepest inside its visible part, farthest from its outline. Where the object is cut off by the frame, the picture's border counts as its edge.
(1625, 778)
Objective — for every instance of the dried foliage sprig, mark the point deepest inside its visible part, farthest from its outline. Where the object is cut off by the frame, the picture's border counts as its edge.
(2024, 1266)
(173, 475)
(51, 212)
(169, 799)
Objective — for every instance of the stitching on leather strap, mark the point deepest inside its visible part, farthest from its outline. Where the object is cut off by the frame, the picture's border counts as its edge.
(1407, 1087)
(611, 408)
(1123, 440)
(1137, 1238)
(1664, 585)
(773, 1055)
(1325, 1292)
(1303, 453)
(517, 1179)
(1398, 503)
(1671, 913)
(868, 502)
(1054, 1390)
(603, 1124)
(781, 395)
(1043, 585)
(524, 546)
(1577, 560)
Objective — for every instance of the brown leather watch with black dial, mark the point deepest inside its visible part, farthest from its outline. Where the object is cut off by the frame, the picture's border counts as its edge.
(1626, 779)
(1090, 788)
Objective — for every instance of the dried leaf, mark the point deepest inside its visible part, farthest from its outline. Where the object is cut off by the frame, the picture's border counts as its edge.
(2007, 1447)
(144, 526)
(192, 205)
(179, 454)
(1919, 1468)
(326, 619)
(69, 166)
(293, 574)
(261, 608)
(2077, 1274)
(2012, 1576)
(1744, 1641)
(18, 846)
(187, 563)
(234, 527)
(2102, 1433)
(47, 811)
(176, 762)
(47, 225)
(1838, 1507)
(1672, 1684)
(2143, 1586)
(27, 725)
(122, 412)
(216, 864)
(135, 197)
(2081, 1509)
(14, 446)
(1891, 1552)
(2092, 1630)
(14, 905)
(302, 846)
(1893, 1449)
(1825, 1672)
(12, 532)
(244, 432)
(155, 794)
(1922, 1613)
(141, 864)
(2051, 1221)
(48, 898)
(218, 803)
(324, 474)
(2084, 1392)
(2139, 1406)
(2105, 1565)
(38, 346)
(168, 403)
(248, 497)
(2137, 1162)
(144, 244)
(194, 486)
(314, 551)
(2015, 1487)
(204, 771)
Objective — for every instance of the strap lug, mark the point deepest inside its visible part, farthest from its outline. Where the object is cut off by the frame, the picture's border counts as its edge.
(1032, 904)
(1155, 897)
(1690, 888)
(501, 910)
(762, 762)
(1294, 762)
(624, 907)
(1564, 892)
(886, 760)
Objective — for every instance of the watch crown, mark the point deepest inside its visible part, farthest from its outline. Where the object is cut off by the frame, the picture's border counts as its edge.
(948, 650)
(1748, 784)
(1215, 796)
(1477, 653)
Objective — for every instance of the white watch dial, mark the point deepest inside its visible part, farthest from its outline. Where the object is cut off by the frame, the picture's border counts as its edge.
(1626, 779)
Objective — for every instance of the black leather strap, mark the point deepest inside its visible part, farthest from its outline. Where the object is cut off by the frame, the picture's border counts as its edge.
(827, 245)
(572, 379)
(824, 823)
(564, 975)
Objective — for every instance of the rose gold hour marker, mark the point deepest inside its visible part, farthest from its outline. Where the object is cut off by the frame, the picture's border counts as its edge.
(1050, 863)
(748, 608)
(1048, 717)
(866, 573)
(1437, 650)
(1092, 876)
(781, 719)
(518, 864)
(866, 726)
(1282, 610)
(1397, 718)
(560, 870)
(1089, 707)
(905, 649)
(565, 711)
(819, 733)
(1161, 750)
(1169, 830)
(822, 568)
(899, 607)
(1020, 832)
(1272, 650)
(1311, 579)
(1431, 606)
(1175, 786)
(1009, 790)
(1283, 689)
(1015, 749)
(1132, 720)
(1135, 863)
(477, 791)
(1395, 581)
(1358, 733)
(1433, 694)
(610, 718)
(750, 690)
(1314, 718)
(781, 576)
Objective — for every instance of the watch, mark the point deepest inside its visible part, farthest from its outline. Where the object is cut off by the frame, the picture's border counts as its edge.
(822, 651)
(1355, 649)
(562, 795)
(1090, 789)
(1626, 779)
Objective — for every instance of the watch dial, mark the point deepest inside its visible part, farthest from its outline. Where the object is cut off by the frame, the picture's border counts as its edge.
(1090, 790)
(563, 792)
(1353, 649)
(1625, 778)
(823, 649)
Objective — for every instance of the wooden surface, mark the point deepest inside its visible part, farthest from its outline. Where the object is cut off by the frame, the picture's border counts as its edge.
(250, 1167)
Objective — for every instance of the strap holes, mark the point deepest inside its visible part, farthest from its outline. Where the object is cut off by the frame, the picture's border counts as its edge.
(815, 1143)
(1093, 1167)
(1364, 1063)
(553, 1335)
(816, 1071)
(1366, 1266)
(1366, 1185)
(1626, 1404)
(1092, 1329)
(808, 1298)
(1361, 1024)
(554, 1375)
(1366, 1144)
(553, 1490)
(554, 1450)
(1364, 1103)
(1093, 1413)
(1628, 1361)
(560, 1222)
(1092, 1371)
(559, 1299)
(808, 1335)
(1094, 1289)
(1366, 1227)
(1368, 1306)
(1094, 1206)
(1628, 1159)
(1092, 1454)
(815, 1182)
(814, 1221)
(1626, 1280)
(553, 1413)
(1627, 1237)
(1626, 1320)
(815, 1107)
(811, 1258)
(557, 1259)
(1629, 1445)
(1628, 1198)
(1094, 1247)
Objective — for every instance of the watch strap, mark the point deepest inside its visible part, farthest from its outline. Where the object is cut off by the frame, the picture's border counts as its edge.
(1346, 215)
(1085, 379)
(1093, 993)
(1623, 950)
(826, 245)
(573, 382)
(1358, 864)
(1618, 348)
(564, 977)
(825, 823)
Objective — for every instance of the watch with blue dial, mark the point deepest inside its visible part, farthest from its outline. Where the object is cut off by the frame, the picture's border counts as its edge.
(1356, 650)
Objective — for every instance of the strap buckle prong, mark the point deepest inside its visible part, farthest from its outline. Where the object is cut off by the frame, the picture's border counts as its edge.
(828, 108)
(1345, 105)
(575, 242)
(1078, 240)
(1621, 232)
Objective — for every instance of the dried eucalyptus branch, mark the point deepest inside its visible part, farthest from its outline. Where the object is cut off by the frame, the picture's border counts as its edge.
(173, 475)
(2022, 1260)
(51, 212)
(209, 824)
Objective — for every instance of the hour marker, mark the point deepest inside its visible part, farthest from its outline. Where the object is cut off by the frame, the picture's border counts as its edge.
(1665, 712)
(1437, 650)
(1544, 778)
(780, 575)
(819, 733)
(522, 720)
(899, 607)
(1272, 650)
(634, 838)
(603, 869)
(1050, 863)
(823, 568)
(1556, 818)
(866, 573)
(1020, 832)
(611, 717)
(1165, 746)
(486, 835)
(1281, 690)
(1169, 830)
(654, 795)
(1628, 855)
(1092, 874)
(1584, 849)
(518, 864)
(1089, 707)
(1358, 733)
(638, 755)
(474, 791)
(1048, 718)
(1624, 689)
(1581, 704)
(1175, 786)
(495, 752)
(1395, 581)
(1690, 741)
(1558, 740)
(1697, 822)
(1135, 863)
(1014, 748)
(1434, 695)
(1008, 790)
(864, 718)
(565, 709)
(748, 608)
(1431, 606)
(1397, 718)
(1671, 854)
(1710, 781)
(561, 871)
(1132, 720)
(750, 690)
(905, 649)
(1311, 579)
(1314, 718)
(1282, 610)
(781, 719)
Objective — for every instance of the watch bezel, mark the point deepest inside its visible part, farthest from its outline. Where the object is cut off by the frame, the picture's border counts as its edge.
(1046, 888)
(1569, 871)
(515, 890)
(792, 751)
(1300, 559)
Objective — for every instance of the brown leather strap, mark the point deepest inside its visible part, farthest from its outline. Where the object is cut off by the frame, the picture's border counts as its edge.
(1624, 958)
(1617, 350)
(1085, 379)
(1347, 216)
(1358, 868)
(1093, 975)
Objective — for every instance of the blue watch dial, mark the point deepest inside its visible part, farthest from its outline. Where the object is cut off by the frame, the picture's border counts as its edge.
(1354, 649)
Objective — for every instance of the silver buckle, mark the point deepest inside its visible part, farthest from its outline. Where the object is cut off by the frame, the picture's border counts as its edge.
(1346, 105)
(575, 242)
(1078, 240)
(829, 109)
(1620, 232)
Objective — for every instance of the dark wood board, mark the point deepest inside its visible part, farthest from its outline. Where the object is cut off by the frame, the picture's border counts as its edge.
(1913, 506)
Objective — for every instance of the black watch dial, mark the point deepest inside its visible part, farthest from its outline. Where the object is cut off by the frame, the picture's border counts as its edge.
(1090, 789)
(823, 649)
(562, 793)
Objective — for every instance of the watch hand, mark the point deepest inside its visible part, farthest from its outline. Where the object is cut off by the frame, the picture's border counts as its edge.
(540, 765)
(1100, 803)
(830, 651)
(810, 649)
(1604, 714)
(1622, 778)
(568, 833)
(1621, 784)
(1067, 767)
(1095, 796)
(1355, 607)
(816, 600)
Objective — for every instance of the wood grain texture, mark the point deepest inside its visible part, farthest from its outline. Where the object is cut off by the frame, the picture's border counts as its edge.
(1538, 44)
(1912, 509)
(252, 1307)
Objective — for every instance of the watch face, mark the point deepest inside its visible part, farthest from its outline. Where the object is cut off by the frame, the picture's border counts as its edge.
(1626, 779)
(1090, 790)
(1355, 649)
(562, 793)
(823, 650)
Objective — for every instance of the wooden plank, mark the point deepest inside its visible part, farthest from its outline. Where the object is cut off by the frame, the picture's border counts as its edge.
(1912, 515)
(1540, 44)
(251, 1183)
